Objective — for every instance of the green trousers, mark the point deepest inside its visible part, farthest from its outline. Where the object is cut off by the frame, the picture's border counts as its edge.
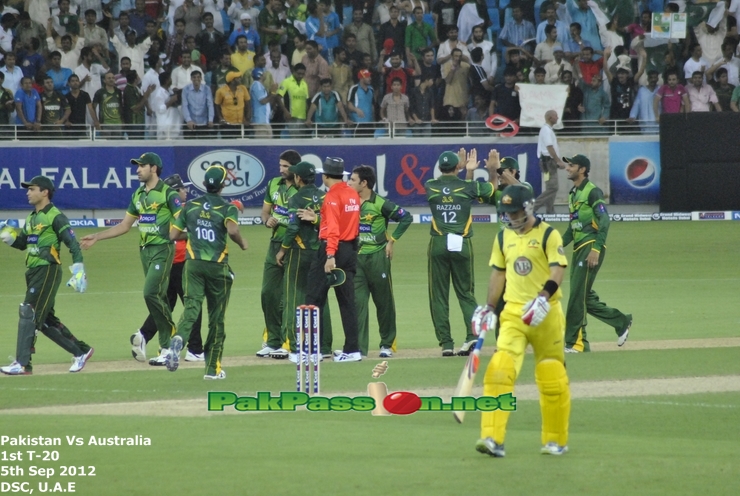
(272, 296)
(212, 281)
(584, 301)
(157, 263)
(42, 284)
(443, 266)
(373, 277)
(296, 263)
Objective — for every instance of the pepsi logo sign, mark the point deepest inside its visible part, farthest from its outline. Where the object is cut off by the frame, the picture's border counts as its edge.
(245, 171)
(641, 173)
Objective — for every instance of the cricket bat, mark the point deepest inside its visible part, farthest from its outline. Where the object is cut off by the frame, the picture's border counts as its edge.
(465, 384)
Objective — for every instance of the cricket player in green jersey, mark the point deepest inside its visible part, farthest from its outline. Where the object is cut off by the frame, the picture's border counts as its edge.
(155, 206)
(299, 247)
(208, 219)
(588, 228)
(373, 276)
(45, 230)
(450, 251)
(275, 216)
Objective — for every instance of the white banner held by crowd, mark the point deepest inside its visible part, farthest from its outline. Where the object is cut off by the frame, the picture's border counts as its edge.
(536, 99)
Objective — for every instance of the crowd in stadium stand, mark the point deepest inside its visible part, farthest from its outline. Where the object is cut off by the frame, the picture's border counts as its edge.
(168, 69)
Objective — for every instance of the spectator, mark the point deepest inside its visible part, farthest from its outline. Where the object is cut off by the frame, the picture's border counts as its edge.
(108, 103)
(696, 63)
(134, 51)
(59, 74)
(419, 35)
(55, 110)
(727, 61)
(382, 13)
(31, 61)
(394, 108)
(518, 30)
(92, 67)
(573, 104)
(575, 44)
(701, 94)
(581, 13)
(341, 73)
(423, 106)
(13, 73)
(197, 107)
(479, 81)
(490, 58)
(274, 48)
(445, 13)
(134, 106)
(643, 109)
(124, 24)
(176, 44)
(555, 68)
(296, 14)
(28, 107)
(294, 91)
(80, 107)
(138, 17)
(28, 29)
(444, 53)
(278, 71)
(544, 52)
(588, 67)
(723, 89)
(316, 68)
(260, 62)
(477, 115)
(164, 106)
(622, 93)
(332, 27)
(151, 80)
(231, 107)
(520, 61)
(505, 99)
(262, 102)
(551, 19)
(711, 38)
(405, 74)
(326, 110)
(215, 8)
(189, 12)
(152, 32)
(92, 33)
(455, 73)
(69, 56)
(196, 58)
(180, 76)
(300, 49)
(65, 23)
(253, 39)
(364, 39)
(236, 9)
(7, 105)
(394, 30)
(596, 104)
(270, 25)
(212, 43)
(428, 69)
(218, 74)
(242, 58)
(361, 103)
(539, 75)
(672, 95)
(610, 37)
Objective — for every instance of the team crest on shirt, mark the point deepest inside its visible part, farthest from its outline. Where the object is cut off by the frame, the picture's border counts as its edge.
(561, 251)
(522, 266)
(533, 243)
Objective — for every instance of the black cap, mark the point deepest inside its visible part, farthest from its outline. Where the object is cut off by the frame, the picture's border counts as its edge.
(42, 182)
(175, 182)
(333, 166)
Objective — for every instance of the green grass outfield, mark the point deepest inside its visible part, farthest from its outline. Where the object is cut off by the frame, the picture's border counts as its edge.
(656, 423)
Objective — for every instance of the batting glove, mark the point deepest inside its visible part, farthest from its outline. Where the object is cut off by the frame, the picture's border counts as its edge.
(535, 311)
(483, 318)
(7, 233)
(78, 282)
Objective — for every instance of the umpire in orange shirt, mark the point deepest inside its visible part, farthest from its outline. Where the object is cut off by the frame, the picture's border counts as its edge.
(339, 236)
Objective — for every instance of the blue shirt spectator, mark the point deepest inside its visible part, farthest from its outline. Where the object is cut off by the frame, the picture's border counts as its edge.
(260, 112)
(642, 109)
(60, 78)
(518, 30)
(197, 103)
(31, 64)
(28, 102)
(581, 13)
(362, 99)
(253, 38)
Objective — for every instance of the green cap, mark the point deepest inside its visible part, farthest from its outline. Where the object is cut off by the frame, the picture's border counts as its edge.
(509, 163)
(42, 182)
(579, 160)
(336, 277)
(303, 170)
(448, 161)
(149, 158)
(215, 177)
(514, 197)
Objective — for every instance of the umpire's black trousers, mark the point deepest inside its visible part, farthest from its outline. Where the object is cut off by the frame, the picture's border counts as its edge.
(318, 289)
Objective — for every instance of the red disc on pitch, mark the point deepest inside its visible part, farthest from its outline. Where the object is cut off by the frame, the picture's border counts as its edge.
(402, 403)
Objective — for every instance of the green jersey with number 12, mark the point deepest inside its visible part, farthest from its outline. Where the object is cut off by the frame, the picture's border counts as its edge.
(450, 199)
(205, 219)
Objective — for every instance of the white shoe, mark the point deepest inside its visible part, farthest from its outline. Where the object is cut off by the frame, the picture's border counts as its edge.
(623, 337)
(265, 352)
(78, 363)
(466, 348)
(337, 353)
(220, 375)
(172, 360)
(571, 350)
(488, 446)
(160, 360)
(553, 449)
(349, 357)
(386, 353)
(14, 368)
(138, 346)
(293, 357)
(280, 354)
(194, 357)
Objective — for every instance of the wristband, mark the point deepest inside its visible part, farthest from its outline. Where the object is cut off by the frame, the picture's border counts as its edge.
(550, 286)
(330, 257)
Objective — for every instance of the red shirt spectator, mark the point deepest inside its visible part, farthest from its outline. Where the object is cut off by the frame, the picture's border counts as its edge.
(672, 95)
(588, 66)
